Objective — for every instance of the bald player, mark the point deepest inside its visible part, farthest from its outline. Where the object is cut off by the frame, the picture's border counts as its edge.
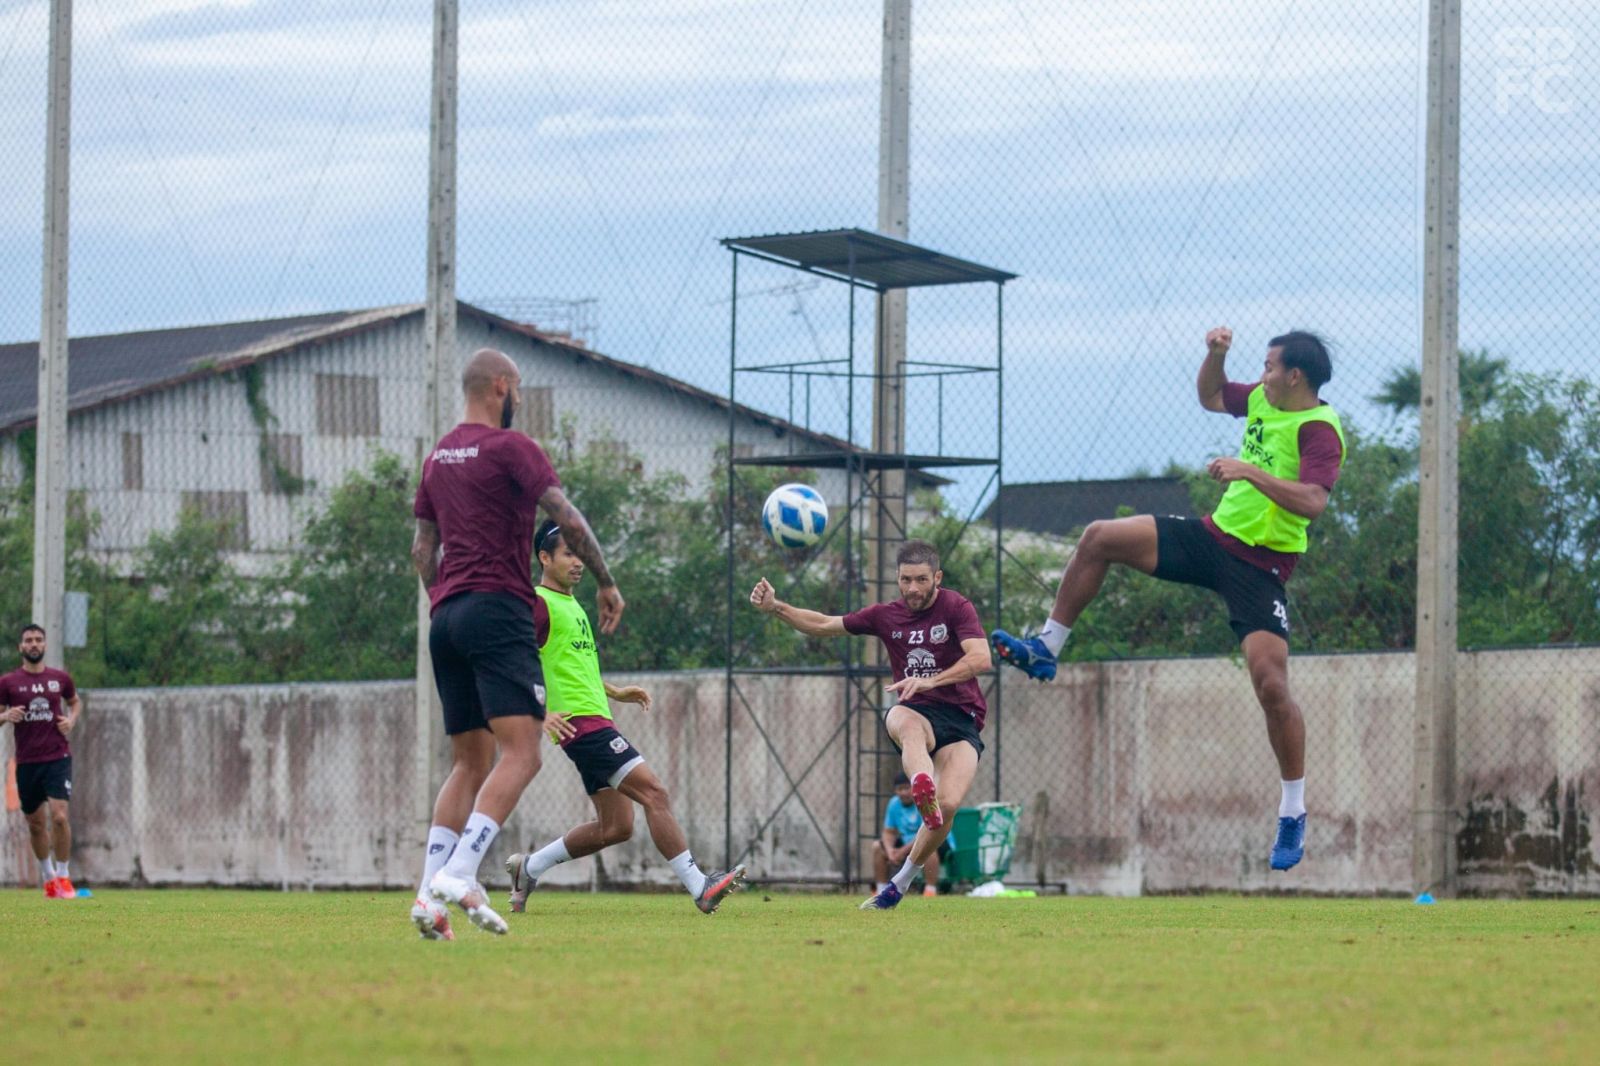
(476, 507)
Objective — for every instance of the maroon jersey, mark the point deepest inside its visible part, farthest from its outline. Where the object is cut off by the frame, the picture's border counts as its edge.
(1321, 455)
(924, 643)
(40, 696)
(481, 487)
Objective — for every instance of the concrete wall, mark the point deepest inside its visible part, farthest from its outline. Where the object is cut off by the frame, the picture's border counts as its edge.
(1135, 776)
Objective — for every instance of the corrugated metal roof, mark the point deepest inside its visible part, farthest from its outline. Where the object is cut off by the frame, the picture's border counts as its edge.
(114, 367)
(1059, 507)
(870, 258)
(117, 366)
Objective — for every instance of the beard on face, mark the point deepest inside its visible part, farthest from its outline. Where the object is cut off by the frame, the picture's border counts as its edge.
(506, 411)
(33, 656)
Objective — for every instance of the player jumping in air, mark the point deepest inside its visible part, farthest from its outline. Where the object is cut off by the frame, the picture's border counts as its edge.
(1245, 551)
(476, 508)
(32, 698)
(613, 772)
(936, 650)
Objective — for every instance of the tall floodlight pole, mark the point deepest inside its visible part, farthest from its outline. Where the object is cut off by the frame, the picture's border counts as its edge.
(1433, 865)
(439, 356)
(50, 466)
(888, 514)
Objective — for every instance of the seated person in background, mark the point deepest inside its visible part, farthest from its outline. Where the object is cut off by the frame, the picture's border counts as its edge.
(901, 820)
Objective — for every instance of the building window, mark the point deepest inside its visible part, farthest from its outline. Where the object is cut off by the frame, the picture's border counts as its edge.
(282, 463)
(536, 417)
(229, 508)
(133, 461)
(347, 405)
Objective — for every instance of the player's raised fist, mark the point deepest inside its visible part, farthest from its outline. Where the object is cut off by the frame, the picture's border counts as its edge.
(1219, 340)
(762, 598)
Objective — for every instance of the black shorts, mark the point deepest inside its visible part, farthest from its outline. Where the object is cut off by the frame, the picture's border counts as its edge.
(950, 724)
(1187, 552)
(485, 660)
(603, 758)
(39, 781)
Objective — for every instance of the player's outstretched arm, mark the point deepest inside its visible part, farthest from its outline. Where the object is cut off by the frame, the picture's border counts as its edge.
(1213, 376)
(425, 552)
(628, 694)
(580, 540)
(811, 623)
(975, 659)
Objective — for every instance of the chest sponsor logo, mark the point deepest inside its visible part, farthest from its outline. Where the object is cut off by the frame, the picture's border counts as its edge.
(453, 456)
(39, 711)
(619, 745)
(938, 634)
(896, 635)
(920, 663)
(1255, 445)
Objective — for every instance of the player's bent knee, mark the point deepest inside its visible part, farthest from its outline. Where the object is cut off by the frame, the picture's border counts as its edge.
(1272, 691)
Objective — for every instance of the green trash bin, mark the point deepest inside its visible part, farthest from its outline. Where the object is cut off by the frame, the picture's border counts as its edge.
(985, 836)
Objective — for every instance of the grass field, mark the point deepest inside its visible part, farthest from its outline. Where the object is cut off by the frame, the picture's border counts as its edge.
(226, 976)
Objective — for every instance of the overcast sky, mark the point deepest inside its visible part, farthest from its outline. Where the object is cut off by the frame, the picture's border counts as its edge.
(1150, 169)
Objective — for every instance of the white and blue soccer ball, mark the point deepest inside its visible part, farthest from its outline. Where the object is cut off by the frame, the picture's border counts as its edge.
(795, 516)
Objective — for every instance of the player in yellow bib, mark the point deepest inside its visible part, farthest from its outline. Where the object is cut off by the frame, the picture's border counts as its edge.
(1245, 550)
(614, 773)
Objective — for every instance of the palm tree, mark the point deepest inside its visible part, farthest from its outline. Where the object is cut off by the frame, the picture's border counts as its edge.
(1481, 379)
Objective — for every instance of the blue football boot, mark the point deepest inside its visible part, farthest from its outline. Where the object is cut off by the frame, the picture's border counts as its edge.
(1030, 655)
(1291, 843)
(886, 900)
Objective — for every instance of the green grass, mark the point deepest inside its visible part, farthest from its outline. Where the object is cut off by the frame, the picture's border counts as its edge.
(237, 977)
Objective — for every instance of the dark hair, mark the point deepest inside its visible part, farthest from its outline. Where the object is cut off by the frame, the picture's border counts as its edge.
(31, 627)
(542, 534)
(1306, 352)
(917, 552)
(901, 779)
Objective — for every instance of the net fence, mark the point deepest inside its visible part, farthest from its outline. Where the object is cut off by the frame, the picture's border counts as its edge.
(248, 212)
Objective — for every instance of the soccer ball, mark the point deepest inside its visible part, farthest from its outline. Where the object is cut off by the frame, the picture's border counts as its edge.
(795, 516)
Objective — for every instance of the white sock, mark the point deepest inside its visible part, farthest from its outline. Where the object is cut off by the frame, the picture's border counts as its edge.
(550, 855)
(441, 842)
(61, 868)
(1055, 636)
(683, 865)
(47, 870)
(902, 880)
(1293, 803)
(476, 839)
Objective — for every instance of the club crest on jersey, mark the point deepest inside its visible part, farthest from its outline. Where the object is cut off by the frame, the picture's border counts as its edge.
(54, 686)
(938, 634)
(619, 745)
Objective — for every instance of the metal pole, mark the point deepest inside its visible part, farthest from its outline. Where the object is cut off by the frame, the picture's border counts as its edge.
(439, 356)
(727, 711)
(999, 500)
(50, 462)
(1433, 859)
(851, 573)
